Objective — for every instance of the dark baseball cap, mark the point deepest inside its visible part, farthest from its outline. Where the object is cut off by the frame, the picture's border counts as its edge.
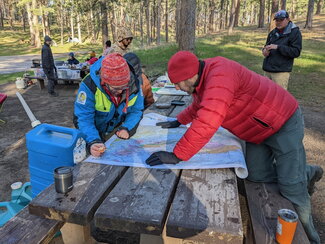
(282, 14)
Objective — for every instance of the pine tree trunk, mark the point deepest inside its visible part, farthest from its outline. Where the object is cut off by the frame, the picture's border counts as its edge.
(141, 23)
(177, 19)
(43, 20)
(30, 23)
(147, 6)
(269, 11)
(237, 13)
(71, 24)
(320, 4)
(35, 23)
(61, 22)
(227, 13)
(79, 28)
(10, 16)
(205, 18)
(158, 21)
(92, 26)
(166, 20)
(1, 18)
(187, 25)
(153, 22)
(197, 22)
(232, 16)
(113, 21)
(2, 9)
(103, 9)
(274, 9)
(23, 18)
(212, 7)
(221, 23)
(293, 9)
(261, 15)
(284, 4)
(309, 20)
(47, 24)
(98, 25)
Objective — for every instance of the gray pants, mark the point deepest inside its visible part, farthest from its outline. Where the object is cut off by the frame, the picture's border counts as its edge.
(281, 158)
(51, 80)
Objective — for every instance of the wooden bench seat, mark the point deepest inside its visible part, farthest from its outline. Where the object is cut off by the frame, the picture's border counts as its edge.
(206, 207)
(26, 228)
(264, 201)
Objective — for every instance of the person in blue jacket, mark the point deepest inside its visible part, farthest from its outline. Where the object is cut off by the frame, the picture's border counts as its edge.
(72, 59)
(109, 100)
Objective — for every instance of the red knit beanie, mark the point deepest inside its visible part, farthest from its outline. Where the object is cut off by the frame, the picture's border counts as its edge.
(115, 71)
(182, 66)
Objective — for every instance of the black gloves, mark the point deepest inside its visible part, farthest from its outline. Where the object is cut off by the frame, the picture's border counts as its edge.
(169, 124)
(162, 157)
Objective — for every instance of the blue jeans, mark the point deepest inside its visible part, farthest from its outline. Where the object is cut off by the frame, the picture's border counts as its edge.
(281, 158)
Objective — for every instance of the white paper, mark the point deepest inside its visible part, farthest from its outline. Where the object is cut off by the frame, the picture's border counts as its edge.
(223, 150)
(171, 91)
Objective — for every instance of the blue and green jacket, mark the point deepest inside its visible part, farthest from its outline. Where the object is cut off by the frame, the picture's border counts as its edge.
(96, 115)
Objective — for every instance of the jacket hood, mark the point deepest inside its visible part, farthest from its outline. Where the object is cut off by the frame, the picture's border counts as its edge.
(94, 73)
(289, 27)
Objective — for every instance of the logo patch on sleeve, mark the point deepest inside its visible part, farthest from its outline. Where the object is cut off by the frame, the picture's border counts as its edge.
(82, 97)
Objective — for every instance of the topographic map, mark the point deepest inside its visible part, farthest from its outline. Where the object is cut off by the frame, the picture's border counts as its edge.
(224, 150)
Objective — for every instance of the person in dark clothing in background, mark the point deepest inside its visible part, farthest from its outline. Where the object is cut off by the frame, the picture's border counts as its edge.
(72, 60)
(48, 66)
(134, 60)
(282, 46)
(108, 48)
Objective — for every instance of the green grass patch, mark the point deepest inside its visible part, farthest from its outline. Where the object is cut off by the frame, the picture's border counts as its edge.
(5, 78)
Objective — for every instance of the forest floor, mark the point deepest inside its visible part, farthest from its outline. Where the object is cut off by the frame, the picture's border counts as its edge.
(59, 111)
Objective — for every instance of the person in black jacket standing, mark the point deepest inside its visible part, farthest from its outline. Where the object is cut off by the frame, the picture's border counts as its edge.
(48, 66)
(283, 44)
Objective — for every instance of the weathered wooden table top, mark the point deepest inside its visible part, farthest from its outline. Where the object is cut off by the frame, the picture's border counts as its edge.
(201, 205)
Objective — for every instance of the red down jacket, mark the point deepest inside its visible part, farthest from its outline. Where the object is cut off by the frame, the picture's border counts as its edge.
(249, 105)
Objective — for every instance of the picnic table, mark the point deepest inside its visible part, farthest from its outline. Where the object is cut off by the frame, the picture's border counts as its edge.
(146, 205)
(67, 80)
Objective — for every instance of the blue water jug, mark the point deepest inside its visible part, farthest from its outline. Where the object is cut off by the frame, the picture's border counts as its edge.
(49, 147)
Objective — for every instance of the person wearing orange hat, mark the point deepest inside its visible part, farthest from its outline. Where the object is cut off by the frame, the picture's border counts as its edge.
(92, 59)
(109, 100)
(256, 110)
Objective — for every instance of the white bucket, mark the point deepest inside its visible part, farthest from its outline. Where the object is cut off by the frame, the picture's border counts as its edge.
(20, 83)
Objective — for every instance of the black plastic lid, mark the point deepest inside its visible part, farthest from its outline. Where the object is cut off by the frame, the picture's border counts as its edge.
(63, 170)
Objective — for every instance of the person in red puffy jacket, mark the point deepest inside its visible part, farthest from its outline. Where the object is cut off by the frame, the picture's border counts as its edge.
(256, 110)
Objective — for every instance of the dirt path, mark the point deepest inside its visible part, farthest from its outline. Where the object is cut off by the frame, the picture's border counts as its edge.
(20, 63)
(59, 110)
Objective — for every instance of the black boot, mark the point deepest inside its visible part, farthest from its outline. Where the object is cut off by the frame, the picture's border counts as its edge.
(318, 174)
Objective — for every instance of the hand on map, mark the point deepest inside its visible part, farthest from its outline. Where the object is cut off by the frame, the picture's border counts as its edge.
(169, 124)
(162, 157)
(97, 149)
(123, 134)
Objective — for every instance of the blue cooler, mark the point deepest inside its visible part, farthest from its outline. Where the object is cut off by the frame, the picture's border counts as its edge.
(49, 147)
